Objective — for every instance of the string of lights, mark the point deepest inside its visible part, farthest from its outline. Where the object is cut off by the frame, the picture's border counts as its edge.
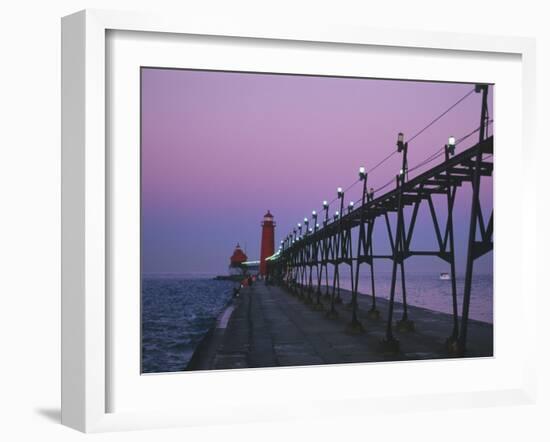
(427, 160)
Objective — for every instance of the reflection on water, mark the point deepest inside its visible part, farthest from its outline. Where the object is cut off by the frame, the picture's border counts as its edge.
(428, 291)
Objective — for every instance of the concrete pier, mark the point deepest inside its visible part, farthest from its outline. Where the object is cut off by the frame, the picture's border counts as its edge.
(270, 327)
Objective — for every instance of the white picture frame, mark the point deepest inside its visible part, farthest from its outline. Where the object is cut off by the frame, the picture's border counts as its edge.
(86, 205)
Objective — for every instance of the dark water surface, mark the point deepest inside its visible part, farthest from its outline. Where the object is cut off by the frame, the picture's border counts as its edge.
(178, 310)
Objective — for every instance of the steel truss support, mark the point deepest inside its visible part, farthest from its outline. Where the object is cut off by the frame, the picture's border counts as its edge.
(304, 262)
(390, 344)
(337, 240)
(476, 249)
(326, 253)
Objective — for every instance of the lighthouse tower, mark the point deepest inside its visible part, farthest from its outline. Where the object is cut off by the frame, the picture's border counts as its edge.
(236, 261)
(268, 241)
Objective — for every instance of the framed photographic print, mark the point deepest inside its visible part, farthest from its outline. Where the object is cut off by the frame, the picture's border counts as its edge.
(203, 129)
(257, 220)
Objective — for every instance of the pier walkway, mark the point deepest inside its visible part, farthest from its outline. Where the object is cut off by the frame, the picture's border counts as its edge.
(269, 327)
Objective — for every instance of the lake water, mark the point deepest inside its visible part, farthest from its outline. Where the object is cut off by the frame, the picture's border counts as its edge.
(428, 291)
(178, 310)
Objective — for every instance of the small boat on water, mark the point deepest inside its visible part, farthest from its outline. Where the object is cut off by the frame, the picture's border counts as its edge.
(444, 276)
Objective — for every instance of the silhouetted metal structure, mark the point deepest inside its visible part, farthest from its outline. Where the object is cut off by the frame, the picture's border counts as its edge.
(302, 263)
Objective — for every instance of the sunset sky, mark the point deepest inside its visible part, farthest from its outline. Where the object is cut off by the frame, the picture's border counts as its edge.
(219, 149)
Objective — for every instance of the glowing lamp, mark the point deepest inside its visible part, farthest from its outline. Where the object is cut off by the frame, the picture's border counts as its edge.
(451, 145)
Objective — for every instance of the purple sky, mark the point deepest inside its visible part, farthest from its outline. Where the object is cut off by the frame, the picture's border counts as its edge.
(219, 149)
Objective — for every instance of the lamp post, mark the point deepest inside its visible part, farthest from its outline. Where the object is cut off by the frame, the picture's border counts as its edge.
(314, 218)
(316, 249)
(293, 271)
(450, 147)
(452, 340)
(303, 256)
(306, 263)
(403, 146)
(332, 313)
(363, 178)
(340, 194)
(365, 237)
(324, 256)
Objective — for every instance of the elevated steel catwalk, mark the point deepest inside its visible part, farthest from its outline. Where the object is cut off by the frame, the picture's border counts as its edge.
(433, 181)
(303, 261)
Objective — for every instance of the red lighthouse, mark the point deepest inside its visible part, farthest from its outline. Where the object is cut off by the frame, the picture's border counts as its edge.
(238, 257)
(268, 241)
(236, 261)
